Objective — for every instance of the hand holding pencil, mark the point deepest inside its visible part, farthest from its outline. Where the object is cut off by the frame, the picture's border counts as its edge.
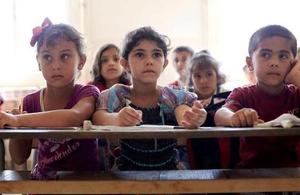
(128, 116)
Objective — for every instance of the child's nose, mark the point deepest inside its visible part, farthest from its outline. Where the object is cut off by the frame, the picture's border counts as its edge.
(56, 65)
(204, 80)
(149, 61)
(274, 62)
(180, 64)
(111, 62)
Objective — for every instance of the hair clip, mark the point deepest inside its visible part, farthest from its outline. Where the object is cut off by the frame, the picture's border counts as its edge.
(36, 32)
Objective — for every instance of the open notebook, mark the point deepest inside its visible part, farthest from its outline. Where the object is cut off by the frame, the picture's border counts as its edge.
(87, 125)
(284, 120)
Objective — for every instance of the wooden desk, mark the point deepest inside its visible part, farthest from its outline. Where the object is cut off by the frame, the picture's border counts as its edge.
(143, 132)
(153, 182)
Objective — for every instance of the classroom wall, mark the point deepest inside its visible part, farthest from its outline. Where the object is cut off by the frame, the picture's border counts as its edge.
(103, 21)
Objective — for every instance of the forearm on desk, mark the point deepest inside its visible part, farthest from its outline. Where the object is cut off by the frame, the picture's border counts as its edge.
(102, 117)
(223, 117)
(56, 118)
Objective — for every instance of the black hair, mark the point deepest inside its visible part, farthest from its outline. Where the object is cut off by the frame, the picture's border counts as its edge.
(184, 49)
(134, 37)
(271, 31)
(53, 32)
(96, 69)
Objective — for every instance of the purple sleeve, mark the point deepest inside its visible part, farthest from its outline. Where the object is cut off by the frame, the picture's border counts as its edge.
(82, 92)
(31, 102)
(88, 90)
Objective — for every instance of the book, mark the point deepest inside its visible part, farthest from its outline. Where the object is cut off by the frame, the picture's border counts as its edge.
(87, 125)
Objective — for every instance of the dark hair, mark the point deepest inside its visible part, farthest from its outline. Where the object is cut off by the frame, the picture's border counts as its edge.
(53, 32)
(270, 31)
(184, 49)
(96, 70)
(201, 60)
(134, 37)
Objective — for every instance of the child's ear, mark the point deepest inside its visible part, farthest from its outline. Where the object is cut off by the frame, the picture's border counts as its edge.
(125, 64)
(249, 63)
(166, 63)
(81, 62)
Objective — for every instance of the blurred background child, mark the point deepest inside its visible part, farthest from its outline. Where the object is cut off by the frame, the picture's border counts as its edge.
(180, 58)
(107, 69)
(206, 79)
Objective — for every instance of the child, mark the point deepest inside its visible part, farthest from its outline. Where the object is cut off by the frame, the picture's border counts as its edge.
(145, 57)
(107, 69)
(271, 52)
(181, 56)
(206, 79)
(62, 103)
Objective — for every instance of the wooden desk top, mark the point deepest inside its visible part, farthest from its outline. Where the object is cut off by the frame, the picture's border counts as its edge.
(146, 132)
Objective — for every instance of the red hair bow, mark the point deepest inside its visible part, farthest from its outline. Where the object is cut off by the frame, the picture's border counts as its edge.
(38, 30)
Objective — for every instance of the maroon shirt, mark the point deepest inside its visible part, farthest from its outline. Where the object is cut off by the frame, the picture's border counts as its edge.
(267, 151)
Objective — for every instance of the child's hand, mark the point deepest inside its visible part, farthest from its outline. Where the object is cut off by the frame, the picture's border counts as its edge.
(129, 117)
(7, 119)
(17, 111)
(245, 117)
(195, 117)
(293, 75)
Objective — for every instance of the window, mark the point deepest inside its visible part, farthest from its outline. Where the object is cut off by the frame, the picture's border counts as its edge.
(238, 20)
(18, 17)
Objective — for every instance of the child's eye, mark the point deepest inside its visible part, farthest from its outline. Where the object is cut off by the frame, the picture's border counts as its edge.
(197, 76)
(283, 56)
(103, 60)
(47, 58)
(265, 55)
(157, 54)
(116, 59)
(65, 57)
(139, 54)
(209, 74)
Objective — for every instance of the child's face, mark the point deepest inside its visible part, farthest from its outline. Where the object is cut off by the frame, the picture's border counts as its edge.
(59, 63)
(180, 59)
(205, 82)
(271, 61)
(145, 62)
(111, 69)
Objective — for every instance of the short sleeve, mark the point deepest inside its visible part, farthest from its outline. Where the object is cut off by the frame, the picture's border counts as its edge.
(113, 99)
(88, 90)
(234, 101)
(31, 102)
(175, 97)
(82, 91)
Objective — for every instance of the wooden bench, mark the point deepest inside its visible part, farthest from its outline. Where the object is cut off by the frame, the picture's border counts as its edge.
(155, 182)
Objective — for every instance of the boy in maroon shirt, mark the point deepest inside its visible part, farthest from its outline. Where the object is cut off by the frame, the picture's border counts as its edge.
(272, 50)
